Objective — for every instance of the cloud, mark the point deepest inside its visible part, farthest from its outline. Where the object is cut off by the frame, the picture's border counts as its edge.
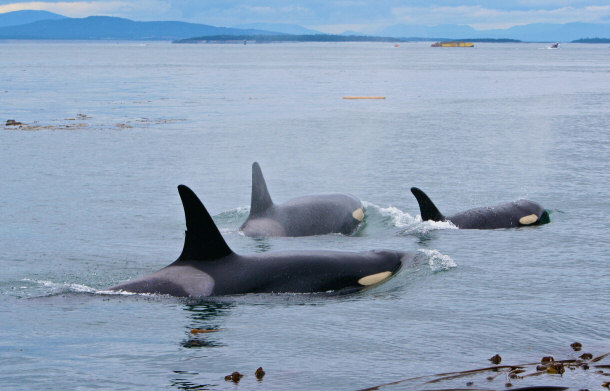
(74, 9)
(488, 18)
(361, 28)
(77, 9)
(335, 15)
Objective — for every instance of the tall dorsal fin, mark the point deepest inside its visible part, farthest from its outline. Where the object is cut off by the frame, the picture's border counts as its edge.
(427, 209)
(261, 200)
(203, 241)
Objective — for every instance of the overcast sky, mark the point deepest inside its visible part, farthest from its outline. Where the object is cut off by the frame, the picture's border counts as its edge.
(336, 16)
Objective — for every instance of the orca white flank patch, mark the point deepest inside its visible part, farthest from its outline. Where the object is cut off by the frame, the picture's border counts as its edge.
(374, 278)
(358, 214)
(528, 220)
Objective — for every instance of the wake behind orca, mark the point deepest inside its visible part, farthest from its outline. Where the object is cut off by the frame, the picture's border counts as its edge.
(208, 267)
(508, 215)
(302, 216)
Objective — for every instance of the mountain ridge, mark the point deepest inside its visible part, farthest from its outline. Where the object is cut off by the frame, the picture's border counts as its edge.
(17, 18)
(108, 27)
(47, 25)
(534, 32)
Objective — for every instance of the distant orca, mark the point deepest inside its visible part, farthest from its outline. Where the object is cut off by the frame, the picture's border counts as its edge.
(302, 216)
(208, 267)
(511, 214)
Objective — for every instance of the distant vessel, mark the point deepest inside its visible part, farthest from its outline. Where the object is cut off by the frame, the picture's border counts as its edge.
(452, 44)
(555, 45)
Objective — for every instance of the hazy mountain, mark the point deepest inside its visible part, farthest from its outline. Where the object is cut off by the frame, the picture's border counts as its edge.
(47, 25)
(348, 33)
(22, 17)
(545, 32)
(105, 27)
(284, 28)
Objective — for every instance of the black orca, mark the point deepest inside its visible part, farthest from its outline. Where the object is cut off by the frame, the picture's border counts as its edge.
(302, 216)
(208, 267)
(518, 213)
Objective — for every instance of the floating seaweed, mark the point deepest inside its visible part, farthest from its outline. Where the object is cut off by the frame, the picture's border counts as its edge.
(547, 366)
(599, 358)
(259, 373)
(496, 359)
(83, 121)
(235, 377)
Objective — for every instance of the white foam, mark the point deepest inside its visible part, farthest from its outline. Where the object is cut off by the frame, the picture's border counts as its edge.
(407, 222)
(235, 211)
(429, 225)
(227, 222)
(124, 293)
(79, 288)
(399, 218)
(437, 261)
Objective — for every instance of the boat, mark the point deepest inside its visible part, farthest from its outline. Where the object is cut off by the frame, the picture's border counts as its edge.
(452, 44)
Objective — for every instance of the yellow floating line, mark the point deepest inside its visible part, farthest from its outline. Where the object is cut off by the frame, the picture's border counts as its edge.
(364, 97)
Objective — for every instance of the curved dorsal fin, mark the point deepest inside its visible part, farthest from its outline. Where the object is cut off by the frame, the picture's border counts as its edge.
(427, 209)
(261, 200)
(203, 241)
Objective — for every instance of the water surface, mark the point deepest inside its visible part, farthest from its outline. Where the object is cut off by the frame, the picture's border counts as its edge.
(88, 200)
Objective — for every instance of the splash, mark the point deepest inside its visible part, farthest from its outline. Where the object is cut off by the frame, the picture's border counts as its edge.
(426, 226)
(126, 293)
(57, 287)
(229, 221)
(396, 218)
(436, 260)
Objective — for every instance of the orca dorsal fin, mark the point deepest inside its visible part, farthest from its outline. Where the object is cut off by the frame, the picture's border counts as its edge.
(427, 209)
(261, 200)
(203, 241)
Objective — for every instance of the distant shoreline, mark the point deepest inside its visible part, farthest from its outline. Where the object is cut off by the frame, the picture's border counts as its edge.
(232, 39)
(321, 38)
(592, 40)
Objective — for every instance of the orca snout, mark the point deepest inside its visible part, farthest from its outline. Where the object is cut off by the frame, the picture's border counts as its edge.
(393, 260)
(544, 217)
(385, 263)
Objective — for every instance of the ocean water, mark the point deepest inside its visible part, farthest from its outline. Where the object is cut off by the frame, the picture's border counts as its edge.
(88, 199)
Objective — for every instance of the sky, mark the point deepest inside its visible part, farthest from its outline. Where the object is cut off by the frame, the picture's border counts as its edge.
(335, 16)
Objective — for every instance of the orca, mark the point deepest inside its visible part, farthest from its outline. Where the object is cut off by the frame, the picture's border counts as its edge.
(518, 213)
(302, 216)
(208, 267)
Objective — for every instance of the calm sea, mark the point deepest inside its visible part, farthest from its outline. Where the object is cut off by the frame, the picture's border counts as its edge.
(88, 199)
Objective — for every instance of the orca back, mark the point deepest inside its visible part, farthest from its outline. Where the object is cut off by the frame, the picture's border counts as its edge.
(520, 213)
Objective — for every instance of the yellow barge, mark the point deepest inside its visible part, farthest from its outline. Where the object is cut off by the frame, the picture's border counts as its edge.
(453, 44)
